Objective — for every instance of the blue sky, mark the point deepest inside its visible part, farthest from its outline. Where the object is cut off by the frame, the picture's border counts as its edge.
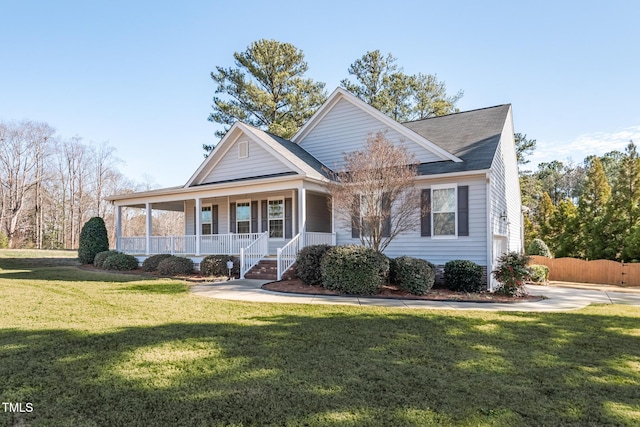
(137, 73)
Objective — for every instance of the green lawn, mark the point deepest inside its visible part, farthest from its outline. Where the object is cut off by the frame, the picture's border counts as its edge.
(98, 349)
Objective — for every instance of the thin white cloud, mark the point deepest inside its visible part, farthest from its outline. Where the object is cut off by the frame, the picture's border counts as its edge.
(584, 145)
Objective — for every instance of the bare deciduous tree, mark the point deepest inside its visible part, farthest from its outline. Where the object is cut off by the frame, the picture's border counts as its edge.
(374, 194)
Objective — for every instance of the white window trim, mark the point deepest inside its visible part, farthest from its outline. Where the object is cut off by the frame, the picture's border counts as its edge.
(270, 199)
(243, 149)
(202, 223)
(455, 211)
(237, 202)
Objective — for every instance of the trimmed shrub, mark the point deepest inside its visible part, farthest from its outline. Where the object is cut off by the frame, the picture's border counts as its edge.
(538, 247)
(512, 273)
(354, 269)
(175, 265)
(151, 263)
(93, 240)
(412, 275)
(539, 273)
(216, 265)
(98, 261)
(308, 264)
(120, 262)
(463, 276)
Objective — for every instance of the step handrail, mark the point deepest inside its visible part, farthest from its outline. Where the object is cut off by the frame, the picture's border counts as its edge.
(253, 253)
(287, 255)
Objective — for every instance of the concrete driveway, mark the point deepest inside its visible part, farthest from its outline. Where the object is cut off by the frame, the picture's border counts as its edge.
(559, 298)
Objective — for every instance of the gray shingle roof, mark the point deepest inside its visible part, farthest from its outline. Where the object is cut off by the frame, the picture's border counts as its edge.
(472, 136)
(302, 154)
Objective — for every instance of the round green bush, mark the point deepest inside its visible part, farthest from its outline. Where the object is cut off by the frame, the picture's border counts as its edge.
(216, 265)
(121, 262)
(512, 273)
(308, 264)
(413, 275)
(98, 261)
(93, 240)
(539, 273)
(538, 247)
(463, 276)
(175, 265)
(151, 263)
(354, 269)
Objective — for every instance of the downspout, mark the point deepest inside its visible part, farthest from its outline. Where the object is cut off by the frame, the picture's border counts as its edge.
(489, 233)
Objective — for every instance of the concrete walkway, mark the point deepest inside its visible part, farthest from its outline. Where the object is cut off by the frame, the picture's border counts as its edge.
(559, 298)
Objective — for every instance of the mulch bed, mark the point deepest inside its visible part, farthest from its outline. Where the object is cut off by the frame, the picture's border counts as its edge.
(437, 293)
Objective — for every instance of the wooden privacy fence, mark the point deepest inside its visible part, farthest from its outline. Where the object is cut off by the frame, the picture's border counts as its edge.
(597, 271)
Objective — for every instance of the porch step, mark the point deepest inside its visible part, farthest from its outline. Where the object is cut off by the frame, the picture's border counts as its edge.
(267, 269)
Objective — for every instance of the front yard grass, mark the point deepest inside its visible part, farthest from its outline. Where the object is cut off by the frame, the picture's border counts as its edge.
(90, 348)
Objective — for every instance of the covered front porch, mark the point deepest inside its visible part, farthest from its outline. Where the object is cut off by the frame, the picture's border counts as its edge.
(275, 222)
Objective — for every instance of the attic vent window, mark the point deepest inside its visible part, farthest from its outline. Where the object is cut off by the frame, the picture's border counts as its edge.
(243, 149)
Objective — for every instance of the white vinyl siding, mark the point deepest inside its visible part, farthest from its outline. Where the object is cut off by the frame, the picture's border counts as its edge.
(345, 129)
(505, 191)
(259, 162)
(439, 251)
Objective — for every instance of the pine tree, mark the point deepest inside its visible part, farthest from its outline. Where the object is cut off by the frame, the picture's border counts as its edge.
(623, 209)
(266, 89)
(563, 224)
(543, 216)
(591, 212)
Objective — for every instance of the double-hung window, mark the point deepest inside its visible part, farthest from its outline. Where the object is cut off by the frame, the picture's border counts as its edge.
(206, 220)
(444, 208)
(243, 217)
(276, 218)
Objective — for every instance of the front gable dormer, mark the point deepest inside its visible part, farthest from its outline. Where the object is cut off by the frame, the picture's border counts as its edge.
(343, 124)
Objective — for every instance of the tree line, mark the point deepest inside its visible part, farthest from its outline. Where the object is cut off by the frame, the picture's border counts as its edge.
(268, 88)
(50, 186)
(589, 210)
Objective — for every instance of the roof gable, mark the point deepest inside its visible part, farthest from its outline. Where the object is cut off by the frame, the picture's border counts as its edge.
(344, 122)
(268, 155)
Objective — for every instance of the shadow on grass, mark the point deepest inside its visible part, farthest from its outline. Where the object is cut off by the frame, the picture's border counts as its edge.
(332, 369)
(159, 288)
(66, 269)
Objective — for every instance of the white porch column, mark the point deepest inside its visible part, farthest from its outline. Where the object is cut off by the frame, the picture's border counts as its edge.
(149, 229)
(302, 212)
(118, 228)
(198, 224)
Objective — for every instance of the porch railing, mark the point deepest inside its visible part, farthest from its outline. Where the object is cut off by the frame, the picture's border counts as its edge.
(313, 238)
(287, 255)
(253, 253)
(215, 244)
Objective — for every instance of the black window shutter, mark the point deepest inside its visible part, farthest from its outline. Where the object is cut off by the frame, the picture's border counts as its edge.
(214, 219)
(386, 212)
(463, 210)
(288, 216)
(232, 217)
(254, 216)
(265, 216)
(425, 212)
(355, 218)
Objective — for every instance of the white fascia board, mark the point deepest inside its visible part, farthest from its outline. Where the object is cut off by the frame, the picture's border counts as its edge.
(209, 190)
(481, 172)
(340, 93)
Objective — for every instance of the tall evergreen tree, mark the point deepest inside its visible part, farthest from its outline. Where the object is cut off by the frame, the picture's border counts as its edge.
(266, 89)
(543, 216)
(380, 83)
(563, 224)
(524, 147)
(591, 212)
(623, 209)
